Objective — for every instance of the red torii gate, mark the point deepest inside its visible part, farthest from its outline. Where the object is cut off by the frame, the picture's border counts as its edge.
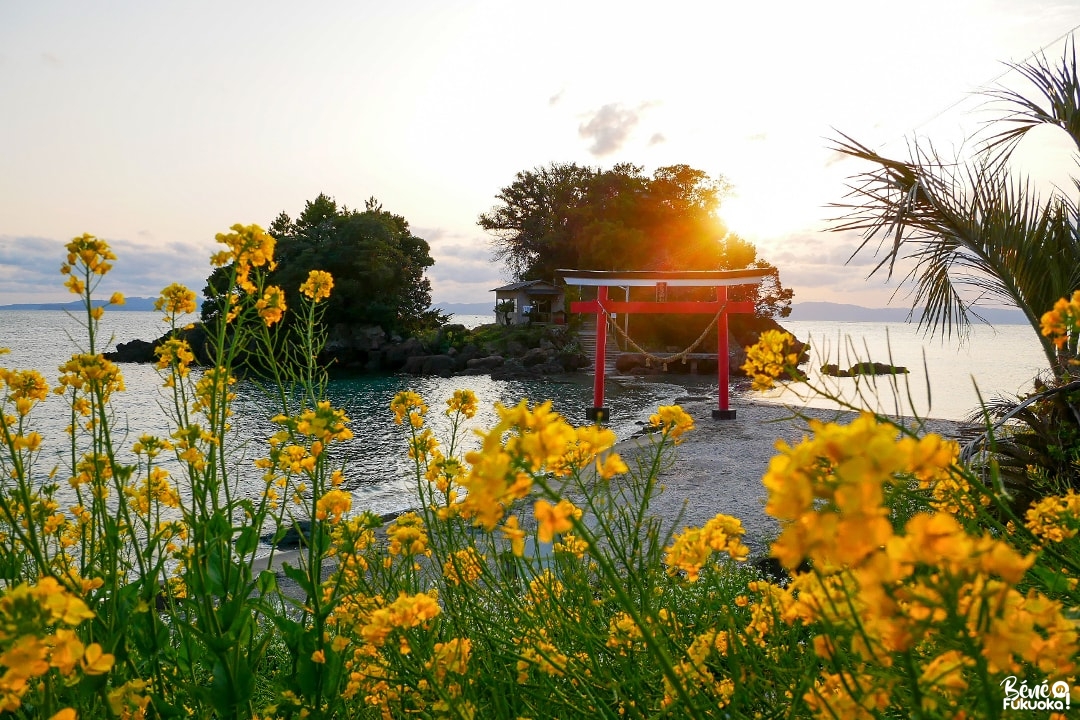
(721, 280)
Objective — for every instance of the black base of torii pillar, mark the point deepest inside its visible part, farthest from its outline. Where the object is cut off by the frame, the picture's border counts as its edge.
(661, 280)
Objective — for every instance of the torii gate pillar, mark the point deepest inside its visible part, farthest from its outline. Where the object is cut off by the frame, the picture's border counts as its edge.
(721, 306)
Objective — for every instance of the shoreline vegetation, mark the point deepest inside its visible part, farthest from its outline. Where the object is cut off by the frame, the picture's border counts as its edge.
(542, 570)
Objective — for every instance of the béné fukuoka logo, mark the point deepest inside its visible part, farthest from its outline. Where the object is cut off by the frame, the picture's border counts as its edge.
(1043, 696)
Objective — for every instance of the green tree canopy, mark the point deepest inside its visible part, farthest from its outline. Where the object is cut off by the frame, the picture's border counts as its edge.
(568, 216)
(377, 263)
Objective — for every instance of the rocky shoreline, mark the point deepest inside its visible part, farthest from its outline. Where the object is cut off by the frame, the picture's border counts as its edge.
(452, 350)
(503, 352)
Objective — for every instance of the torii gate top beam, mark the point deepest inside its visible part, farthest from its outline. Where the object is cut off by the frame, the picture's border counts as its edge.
(671, 278)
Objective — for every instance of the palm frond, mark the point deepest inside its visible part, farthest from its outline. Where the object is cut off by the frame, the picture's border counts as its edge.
(1056, 102)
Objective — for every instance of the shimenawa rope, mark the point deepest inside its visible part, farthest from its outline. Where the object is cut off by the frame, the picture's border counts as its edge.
(666, 359)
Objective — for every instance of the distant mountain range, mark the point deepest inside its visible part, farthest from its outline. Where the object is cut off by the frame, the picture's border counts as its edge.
(856, 313)
(140, 304)
(486, 308)
(799, 311)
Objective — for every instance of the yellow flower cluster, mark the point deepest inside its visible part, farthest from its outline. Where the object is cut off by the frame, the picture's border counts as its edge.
(572, 545)
(1063, 321)
(463, 567)
(450, 657)
(318, 285)
(672, 421)
(771, 357)
(694, 674)
(878, 592)
(155, 487)
(175, 300)
(407, 536)
(92, 374)
(249, 246)
(36, 637)
(526, 442)
(407, 611)
(333, 505)
(271, 306)
(624, 635)
(554, 519)
(324, 424)
(408, 404)
(690, 549)
(26, 388)
(462, 402)
(537, 652)
(86, 255)
(846, 466)
(1055, 518)
(176, 356)
(544, 589)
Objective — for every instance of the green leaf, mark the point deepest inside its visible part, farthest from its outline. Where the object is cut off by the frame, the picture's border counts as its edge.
(247, 540)
(299, 577)
(267, 582)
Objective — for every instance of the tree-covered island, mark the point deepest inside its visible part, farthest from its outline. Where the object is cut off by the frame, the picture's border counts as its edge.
(380, 317)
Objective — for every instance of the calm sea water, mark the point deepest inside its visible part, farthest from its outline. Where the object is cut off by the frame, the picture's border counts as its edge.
(945, 379)
(996, 361)
(378, 467)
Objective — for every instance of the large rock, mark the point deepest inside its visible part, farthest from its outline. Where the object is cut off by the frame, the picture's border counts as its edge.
(135, 351)
(342, 338)
(485, 364)
(535, 356)
(443, 365)
(395, 356)
(866, 368)
(626, 362)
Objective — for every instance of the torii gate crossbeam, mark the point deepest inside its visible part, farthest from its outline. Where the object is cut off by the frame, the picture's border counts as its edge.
(721, 280)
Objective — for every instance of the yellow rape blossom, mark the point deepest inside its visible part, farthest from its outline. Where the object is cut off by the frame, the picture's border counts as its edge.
(175, 300)
(514, 534)
(690, 549)
(88, 253)
(463, 566)
(271, 306)
(407, 535)
(408, 404)
(673, 421)
(773, 356)
(407, 611)
(554, 519)
(318, 285)
(333, 505)
(248, 246)
(1063, 321)
(1055, 518)
(463, 402)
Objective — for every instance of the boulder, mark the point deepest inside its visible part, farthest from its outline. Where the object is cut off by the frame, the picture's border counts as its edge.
(627, 362)
(572, 361)
(876, 368)
(485, 364)
(442, 365)
(512, 369)
(866, 368)
(535, 356)
(135, 351)
(515, 348)
(395, 356)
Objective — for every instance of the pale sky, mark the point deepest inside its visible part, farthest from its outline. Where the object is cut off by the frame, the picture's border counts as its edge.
(157, 125)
